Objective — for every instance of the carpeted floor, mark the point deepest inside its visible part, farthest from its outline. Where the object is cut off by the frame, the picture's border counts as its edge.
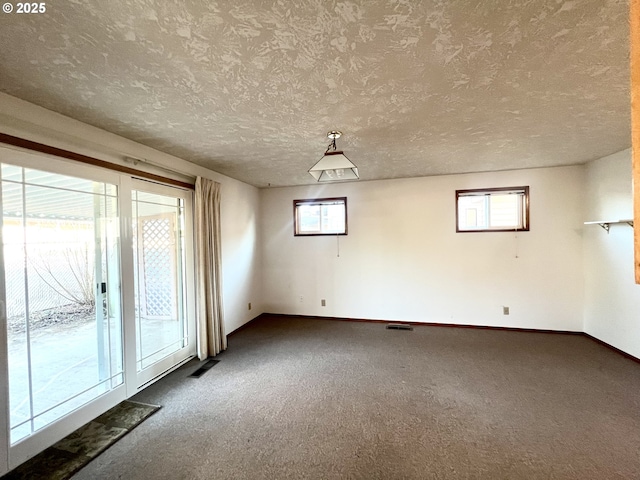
(321, 399)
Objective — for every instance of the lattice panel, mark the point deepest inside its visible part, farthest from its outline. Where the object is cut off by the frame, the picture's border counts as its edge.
(158, 267)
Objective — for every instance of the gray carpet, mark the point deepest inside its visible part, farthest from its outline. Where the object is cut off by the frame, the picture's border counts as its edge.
(321, 399)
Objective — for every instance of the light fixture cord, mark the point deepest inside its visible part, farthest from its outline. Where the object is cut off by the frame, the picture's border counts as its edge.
(338, 244)
(332, 145)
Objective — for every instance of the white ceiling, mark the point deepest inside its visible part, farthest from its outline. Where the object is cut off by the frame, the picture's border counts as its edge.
(250, 88)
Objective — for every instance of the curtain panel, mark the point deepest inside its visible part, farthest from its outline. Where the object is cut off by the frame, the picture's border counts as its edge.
(211, 336)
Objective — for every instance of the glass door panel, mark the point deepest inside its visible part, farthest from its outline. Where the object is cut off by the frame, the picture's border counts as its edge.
(163, 322)
(64, 332)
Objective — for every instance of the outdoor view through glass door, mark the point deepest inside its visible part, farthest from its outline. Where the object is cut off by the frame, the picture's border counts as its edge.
(61, 263)
(161, 246)
(98, 287)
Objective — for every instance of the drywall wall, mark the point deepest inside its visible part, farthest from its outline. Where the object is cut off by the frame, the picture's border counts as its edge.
(612, 299)
(403, 260)
(239, 202)
(241, 254)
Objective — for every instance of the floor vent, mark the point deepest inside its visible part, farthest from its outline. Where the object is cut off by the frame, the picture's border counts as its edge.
(399, 326)
(204, 368)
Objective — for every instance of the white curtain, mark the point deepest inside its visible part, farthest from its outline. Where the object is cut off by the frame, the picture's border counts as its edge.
(211, 337)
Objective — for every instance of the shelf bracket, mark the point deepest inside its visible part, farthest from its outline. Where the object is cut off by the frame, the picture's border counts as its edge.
(606, 225)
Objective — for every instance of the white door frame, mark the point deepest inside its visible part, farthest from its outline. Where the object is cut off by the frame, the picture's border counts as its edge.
(13, 455)
(4, 362)
(35, 443)
(138, 380)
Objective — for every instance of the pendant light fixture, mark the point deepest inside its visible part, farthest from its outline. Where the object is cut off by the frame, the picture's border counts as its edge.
(334, 165)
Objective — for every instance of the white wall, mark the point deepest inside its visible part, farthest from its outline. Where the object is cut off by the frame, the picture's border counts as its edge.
(612, 299)
(241, 254)
(403, 260)
(239, 201)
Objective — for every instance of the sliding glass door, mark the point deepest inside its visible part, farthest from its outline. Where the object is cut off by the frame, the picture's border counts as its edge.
(165, 326)
(61, 267)
(97, 284)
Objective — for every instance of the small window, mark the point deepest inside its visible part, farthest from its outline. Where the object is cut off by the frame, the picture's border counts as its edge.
(320, 216)
(492, 209)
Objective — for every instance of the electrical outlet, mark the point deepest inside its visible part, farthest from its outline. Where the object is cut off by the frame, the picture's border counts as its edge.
(505, 310)
(323, 302)
(301, 299)
(249, 306)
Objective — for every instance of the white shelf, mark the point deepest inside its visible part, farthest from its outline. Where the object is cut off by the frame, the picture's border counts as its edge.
(606, 224)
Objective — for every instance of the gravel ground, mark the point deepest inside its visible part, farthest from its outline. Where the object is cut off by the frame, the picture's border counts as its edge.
(67, 315)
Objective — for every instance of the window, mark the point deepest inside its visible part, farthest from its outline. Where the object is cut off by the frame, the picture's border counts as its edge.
(492, 209)
(320, 216)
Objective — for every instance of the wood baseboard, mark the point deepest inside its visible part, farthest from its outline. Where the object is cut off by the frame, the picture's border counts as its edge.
(242, 327)
(616, 349)
(449, 325)
(428, 324)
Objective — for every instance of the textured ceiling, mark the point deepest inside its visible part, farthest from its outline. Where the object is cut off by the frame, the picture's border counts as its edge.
(250, 88)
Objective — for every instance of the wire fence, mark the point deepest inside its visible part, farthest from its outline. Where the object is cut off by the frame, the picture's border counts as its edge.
(53, 273)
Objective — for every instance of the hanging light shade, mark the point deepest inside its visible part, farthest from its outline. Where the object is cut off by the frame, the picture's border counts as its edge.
(334, 165)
